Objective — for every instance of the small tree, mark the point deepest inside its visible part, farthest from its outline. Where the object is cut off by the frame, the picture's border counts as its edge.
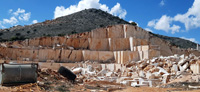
(133, 23)
(1, 34)
(18, 34)
(28, 32)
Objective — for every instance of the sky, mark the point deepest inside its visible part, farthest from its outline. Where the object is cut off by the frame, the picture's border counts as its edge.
(175, 18)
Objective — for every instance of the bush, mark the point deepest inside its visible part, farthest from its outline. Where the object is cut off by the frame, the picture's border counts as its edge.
(35, 30)
(17, 34)
(73, 32)
(15, 38)
(61, 34)
(1, 34)
(28, 32)
(133, 23)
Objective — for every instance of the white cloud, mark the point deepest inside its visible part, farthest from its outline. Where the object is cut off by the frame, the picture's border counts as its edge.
(10, 10)
(1, 26)
(175, 28)
(34, 21)
(130, 21)
(190, 39)
(86, 4)
(118, 11)
(152, 23)
(162, 3)
(191, 20)
(148, 29)
(25, 16)
(16, 17)
(164, 24)
(11, 21)
(19, 11)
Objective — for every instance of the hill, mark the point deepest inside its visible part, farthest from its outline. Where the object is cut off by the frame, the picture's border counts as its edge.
(179, 42)
(82, 21)
(78, 22)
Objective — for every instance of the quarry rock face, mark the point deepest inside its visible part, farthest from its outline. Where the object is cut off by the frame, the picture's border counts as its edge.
(122, 54)
(117, 43)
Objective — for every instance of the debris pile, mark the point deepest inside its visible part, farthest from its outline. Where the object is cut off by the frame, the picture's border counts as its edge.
(50, 80)
(153, 73)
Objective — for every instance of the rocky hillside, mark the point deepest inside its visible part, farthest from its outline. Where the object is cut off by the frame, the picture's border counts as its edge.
(179, 42)
(82, 21)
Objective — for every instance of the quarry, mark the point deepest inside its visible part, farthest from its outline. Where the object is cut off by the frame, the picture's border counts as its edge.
(114, 58)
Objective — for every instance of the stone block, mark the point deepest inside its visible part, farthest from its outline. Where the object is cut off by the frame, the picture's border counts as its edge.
(118, 44)
(53, 66)
(185, 66)
(106, 56)
(134, 56)
(77, 43)
(118, 67)
(72, 42)
(80, 35)
(145, 54)
(145, 47)
(98, 44)
(99, 33)
(174, 69)
(131, 43)
(135, 31)
(90, 55)
(144, 42)
(122, 57)
(116, 31)
(48, 54)
(195, 68)
(71, 56)
(166, 79)
(45, 41)
(135, 48)
(154, 53)
(94, 55)
(140, 55)
(34, 42)
(129, 31)
(83, 43)
(76, 56)
(110, 67)
(139, 48)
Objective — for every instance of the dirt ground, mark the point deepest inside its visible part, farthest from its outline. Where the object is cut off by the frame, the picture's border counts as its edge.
(90, 88)
(149, 89)
(51, 81)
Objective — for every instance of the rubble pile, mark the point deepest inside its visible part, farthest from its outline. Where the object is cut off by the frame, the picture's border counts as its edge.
(148, 72)
(50, 80)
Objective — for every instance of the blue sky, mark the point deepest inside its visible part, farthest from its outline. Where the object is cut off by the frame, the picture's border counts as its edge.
(176, 18)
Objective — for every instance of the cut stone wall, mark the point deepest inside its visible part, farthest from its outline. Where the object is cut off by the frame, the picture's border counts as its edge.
(119, 43)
